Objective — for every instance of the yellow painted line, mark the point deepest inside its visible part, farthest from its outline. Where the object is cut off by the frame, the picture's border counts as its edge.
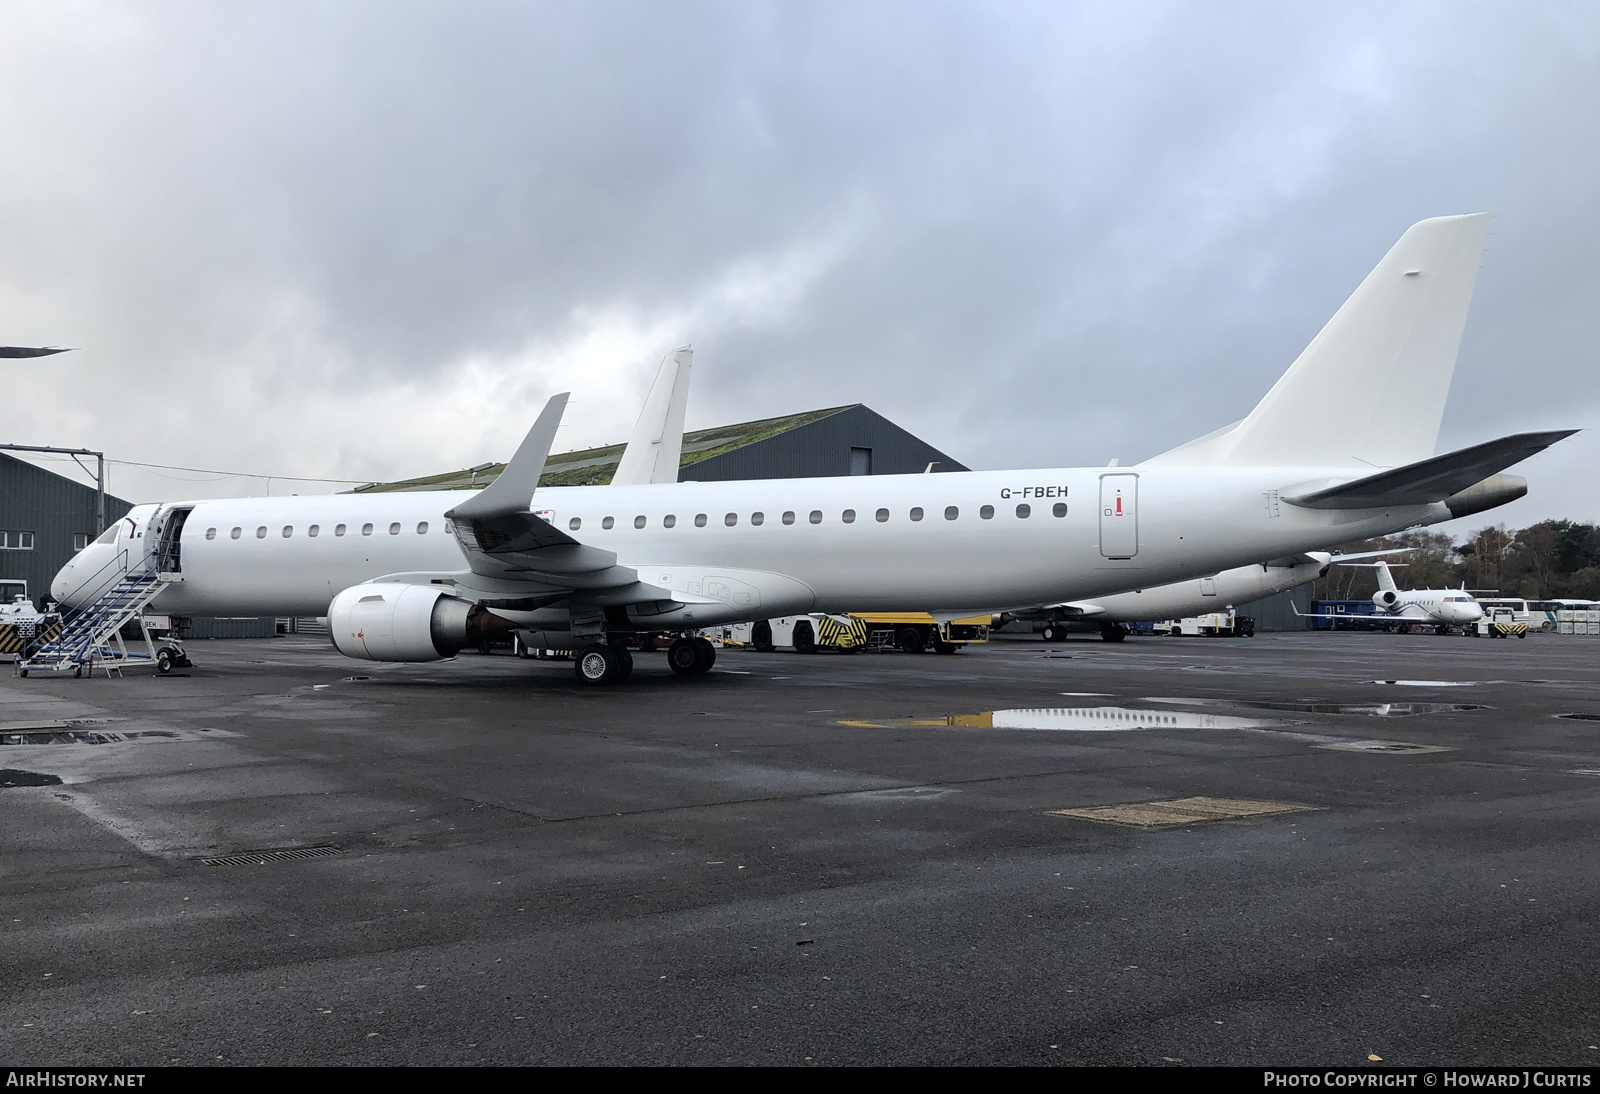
(864, 725)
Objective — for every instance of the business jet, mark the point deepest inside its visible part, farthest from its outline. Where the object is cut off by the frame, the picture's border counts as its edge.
(420, 576)
(1402, 609)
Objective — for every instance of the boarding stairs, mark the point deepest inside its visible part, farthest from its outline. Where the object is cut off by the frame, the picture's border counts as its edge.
(111, 598)
(92, 635)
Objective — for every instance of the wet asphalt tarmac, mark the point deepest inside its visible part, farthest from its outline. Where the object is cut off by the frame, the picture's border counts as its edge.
(716, 870)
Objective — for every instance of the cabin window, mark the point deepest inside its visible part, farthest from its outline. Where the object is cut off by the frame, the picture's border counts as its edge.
(916, 512)
(669, 521)
(638, 522)
(951, 512)
(366, 529)
(236, 533)
(758, 518)
(394, 529)
(422, 528)
(288, 530)
(987, 512)
(609, 523)
(1024, 512)
(848, 516)
(816, 516)
(699, 520)
(314, 530)
(261, 532)
(788, 518)
(882, 515)
(731, 519)
(338, 529)
(575, 523)
(211, 533)
(1060, 509)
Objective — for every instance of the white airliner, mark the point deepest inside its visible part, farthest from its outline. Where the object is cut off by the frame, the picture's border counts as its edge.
(1197, 596)
(1400, 608)
(420, 576)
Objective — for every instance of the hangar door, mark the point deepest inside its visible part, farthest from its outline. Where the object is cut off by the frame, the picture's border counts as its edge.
(1119, 516)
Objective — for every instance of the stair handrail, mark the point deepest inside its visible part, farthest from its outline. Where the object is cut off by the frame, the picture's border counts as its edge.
(102, 583)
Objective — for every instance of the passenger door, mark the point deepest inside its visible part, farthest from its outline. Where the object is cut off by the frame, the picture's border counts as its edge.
(1119, 515)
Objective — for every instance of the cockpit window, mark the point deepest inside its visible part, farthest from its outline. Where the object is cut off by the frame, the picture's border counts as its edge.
(109, 535)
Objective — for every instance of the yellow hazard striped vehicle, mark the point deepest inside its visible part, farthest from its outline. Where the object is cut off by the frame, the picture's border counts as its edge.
(911, 632)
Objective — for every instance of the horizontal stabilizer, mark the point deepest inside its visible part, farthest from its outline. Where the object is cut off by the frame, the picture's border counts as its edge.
(1433, 479)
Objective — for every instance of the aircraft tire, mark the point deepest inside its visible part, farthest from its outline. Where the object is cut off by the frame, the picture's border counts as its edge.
(1113, 632)
(761, 637)
(705, 655)
(911, 640)
(682, 656)
(805, 640)
(624, 664)
(597, 664)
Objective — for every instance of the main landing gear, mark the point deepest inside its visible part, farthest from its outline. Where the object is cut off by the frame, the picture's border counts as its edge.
(691, 656)
(601, 663)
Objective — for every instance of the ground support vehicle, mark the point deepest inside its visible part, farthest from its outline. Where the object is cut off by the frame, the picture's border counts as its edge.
(913, 632)
(908, 632)
(1228, 624)
(1499, 623)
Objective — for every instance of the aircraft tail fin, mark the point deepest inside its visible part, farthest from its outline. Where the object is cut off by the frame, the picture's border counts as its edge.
(1385, 578)
(1370, 389)
(656, 445)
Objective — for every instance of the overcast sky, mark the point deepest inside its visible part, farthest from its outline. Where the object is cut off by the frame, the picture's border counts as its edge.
(367, 241)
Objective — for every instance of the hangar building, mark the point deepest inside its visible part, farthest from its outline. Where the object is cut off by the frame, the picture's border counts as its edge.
(45, 519)
(840, 440)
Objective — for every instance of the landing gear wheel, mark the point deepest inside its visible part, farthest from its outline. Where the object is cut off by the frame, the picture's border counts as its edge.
(804, 640)
(164, 661)
(761, 636)
(706, 652)
(911, 640)
(1113, 632)
(598, 663)
(1443, 628)
(1053, 632)
(691, 656)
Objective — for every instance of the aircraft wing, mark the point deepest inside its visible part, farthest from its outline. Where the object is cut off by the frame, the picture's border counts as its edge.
(1433, 479)
(503, 538)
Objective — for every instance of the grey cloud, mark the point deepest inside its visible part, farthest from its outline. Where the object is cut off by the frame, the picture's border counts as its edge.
(1035, 234)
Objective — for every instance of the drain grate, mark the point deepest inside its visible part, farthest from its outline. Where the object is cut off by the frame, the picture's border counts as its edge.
(1180, 812)
(261, 858)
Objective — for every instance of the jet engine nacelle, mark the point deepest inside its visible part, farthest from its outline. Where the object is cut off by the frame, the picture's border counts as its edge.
(394, 622)
(1386, 598)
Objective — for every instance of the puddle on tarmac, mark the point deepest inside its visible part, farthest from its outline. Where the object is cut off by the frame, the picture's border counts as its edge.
(77, 736)
(10, 776)
(1581, 717)
(1429, 683)
(1077, 720)
(901, 794)
(1311, 706)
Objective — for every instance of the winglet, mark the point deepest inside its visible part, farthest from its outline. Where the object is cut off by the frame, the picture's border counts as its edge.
(512, 492)
(656, 446)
